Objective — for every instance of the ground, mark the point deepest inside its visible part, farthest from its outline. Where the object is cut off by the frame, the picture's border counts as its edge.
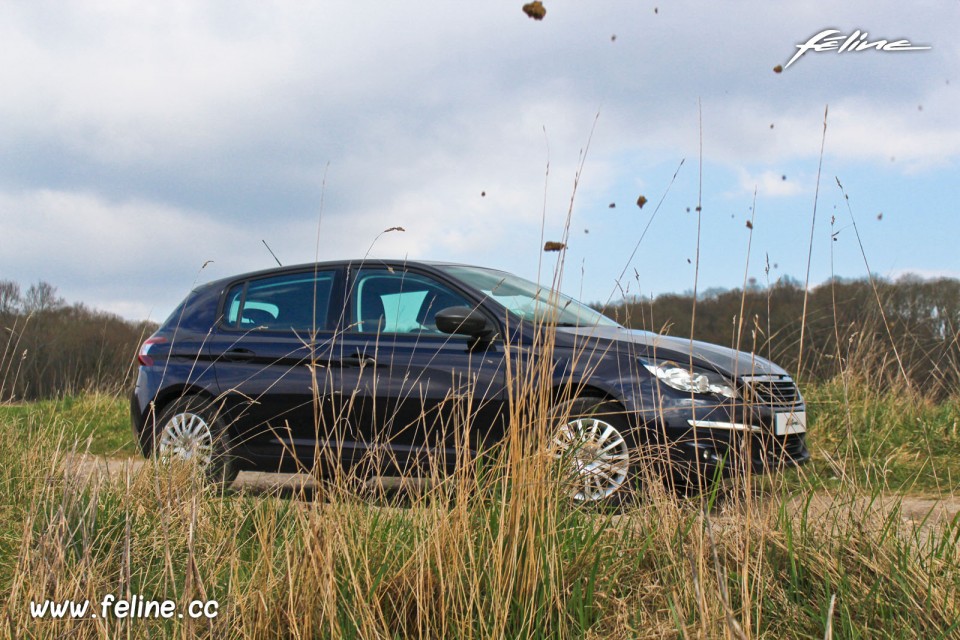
(915, 511)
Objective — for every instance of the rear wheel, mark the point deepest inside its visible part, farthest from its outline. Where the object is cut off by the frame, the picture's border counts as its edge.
(591, 445)
(190, 430)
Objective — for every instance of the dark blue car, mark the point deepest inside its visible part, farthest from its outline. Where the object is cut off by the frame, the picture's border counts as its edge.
(398, 364)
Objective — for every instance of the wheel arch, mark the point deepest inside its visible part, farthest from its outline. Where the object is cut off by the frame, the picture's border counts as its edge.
(568, 390)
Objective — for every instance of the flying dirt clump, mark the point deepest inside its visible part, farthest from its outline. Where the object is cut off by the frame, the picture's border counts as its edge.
(554, 246)
(535, 10)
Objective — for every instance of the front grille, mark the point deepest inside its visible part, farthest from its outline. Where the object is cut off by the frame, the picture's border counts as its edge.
(770, 391)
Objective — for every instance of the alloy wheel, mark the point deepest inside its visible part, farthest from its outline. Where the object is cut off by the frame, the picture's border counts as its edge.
(187, 436)
(595, 458)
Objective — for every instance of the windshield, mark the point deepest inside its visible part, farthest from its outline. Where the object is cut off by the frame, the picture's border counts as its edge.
(527, 299)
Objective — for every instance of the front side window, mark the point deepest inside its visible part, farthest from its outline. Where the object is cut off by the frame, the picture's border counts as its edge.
(400, 302)
(288, 302)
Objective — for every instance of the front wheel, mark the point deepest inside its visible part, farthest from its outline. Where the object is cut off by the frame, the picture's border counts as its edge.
(190, 430)
(591, 445)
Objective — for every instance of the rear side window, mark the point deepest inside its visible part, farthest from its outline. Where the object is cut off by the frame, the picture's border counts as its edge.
(289, 302)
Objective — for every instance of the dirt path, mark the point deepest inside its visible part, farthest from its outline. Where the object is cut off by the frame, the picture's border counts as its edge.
(92, 467)
(101, 468)
(915, 511)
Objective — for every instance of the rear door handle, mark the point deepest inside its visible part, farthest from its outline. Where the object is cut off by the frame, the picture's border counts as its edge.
(238, 355)
(359, 359)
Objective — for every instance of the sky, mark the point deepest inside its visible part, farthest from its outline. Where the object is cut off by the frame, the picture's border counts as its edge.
(149, 147)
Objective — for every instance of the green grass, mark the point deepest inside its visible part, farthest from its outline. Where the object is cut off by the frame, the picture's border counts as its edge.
(895, 441)
(99, 420)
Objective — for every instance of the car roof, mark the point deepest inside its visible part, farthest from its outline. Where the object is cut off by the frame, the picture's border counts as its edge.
(220, 282)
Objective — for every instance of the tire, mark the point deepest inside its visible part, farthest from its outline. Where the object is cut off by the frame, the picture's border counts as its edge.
(190, 429)
(592, 443)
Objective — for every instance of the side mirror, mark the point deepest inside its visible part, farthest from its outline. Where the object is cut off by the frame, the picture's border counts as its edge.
(465, 321)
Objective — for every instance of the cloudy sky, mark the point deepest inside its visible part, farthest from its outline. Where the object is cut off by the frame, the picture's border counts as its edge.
(138, 141)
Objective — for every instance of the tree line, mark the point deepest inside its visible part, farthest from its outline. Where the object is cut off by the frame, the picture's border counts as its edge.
(881, 331)
(49, 348)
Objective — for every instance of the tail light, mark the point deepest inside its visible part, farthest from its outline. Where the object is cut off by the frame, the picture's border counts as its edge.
(144, 356)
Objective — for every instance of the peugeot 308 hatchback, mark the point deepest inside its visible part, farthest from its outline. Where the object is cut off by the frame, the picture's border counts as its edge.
(297, 368)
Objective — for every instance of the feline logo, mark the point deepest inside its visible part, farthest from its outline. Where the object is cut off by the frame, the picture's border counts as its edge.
(833, 39)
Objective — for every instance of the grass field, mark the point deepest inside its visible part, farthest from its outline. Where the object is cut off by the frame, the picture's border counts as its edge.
(490, 556)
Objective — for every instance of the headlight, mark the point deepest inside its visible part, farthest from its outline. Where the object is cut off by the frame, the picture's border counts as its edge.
(694, 380)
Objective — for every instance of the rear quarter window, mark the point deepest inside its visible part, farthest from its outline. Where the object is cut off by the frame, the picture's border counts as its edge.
(287, 302)
(197, 312)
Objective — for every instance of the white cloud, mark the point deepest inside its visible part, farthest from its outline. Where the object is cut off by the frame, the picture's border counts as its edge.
(118, 251)
(918, 138)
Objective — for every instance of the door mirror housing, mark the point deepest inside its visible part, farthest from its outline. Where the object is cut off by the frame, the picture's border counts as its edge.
(465, 321)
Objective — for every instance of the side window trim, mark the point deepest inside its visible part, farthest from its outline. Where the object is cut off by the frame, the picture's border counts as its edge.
(223, 313)
(243, 301)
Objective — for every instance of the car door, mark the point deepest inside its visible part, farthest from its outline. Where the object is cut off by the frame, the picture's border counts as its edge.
(422, 393)
(273, 358)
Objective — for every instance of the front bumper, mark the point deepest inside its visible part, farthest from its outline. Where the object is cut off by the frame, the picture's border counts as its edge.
(713, 440)
(710, 454)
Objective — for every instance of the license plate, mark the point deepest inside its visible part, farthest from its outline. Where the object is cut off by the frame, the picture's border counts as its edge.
(794, 422)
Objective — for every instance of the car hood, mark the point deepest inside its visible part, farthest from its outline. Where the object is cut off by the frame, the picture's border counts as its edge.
(659, 347)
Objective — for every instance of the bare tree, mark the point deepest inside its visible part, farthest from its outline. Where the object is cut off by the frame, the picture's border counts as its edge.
(9, 297)
(40, 297)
